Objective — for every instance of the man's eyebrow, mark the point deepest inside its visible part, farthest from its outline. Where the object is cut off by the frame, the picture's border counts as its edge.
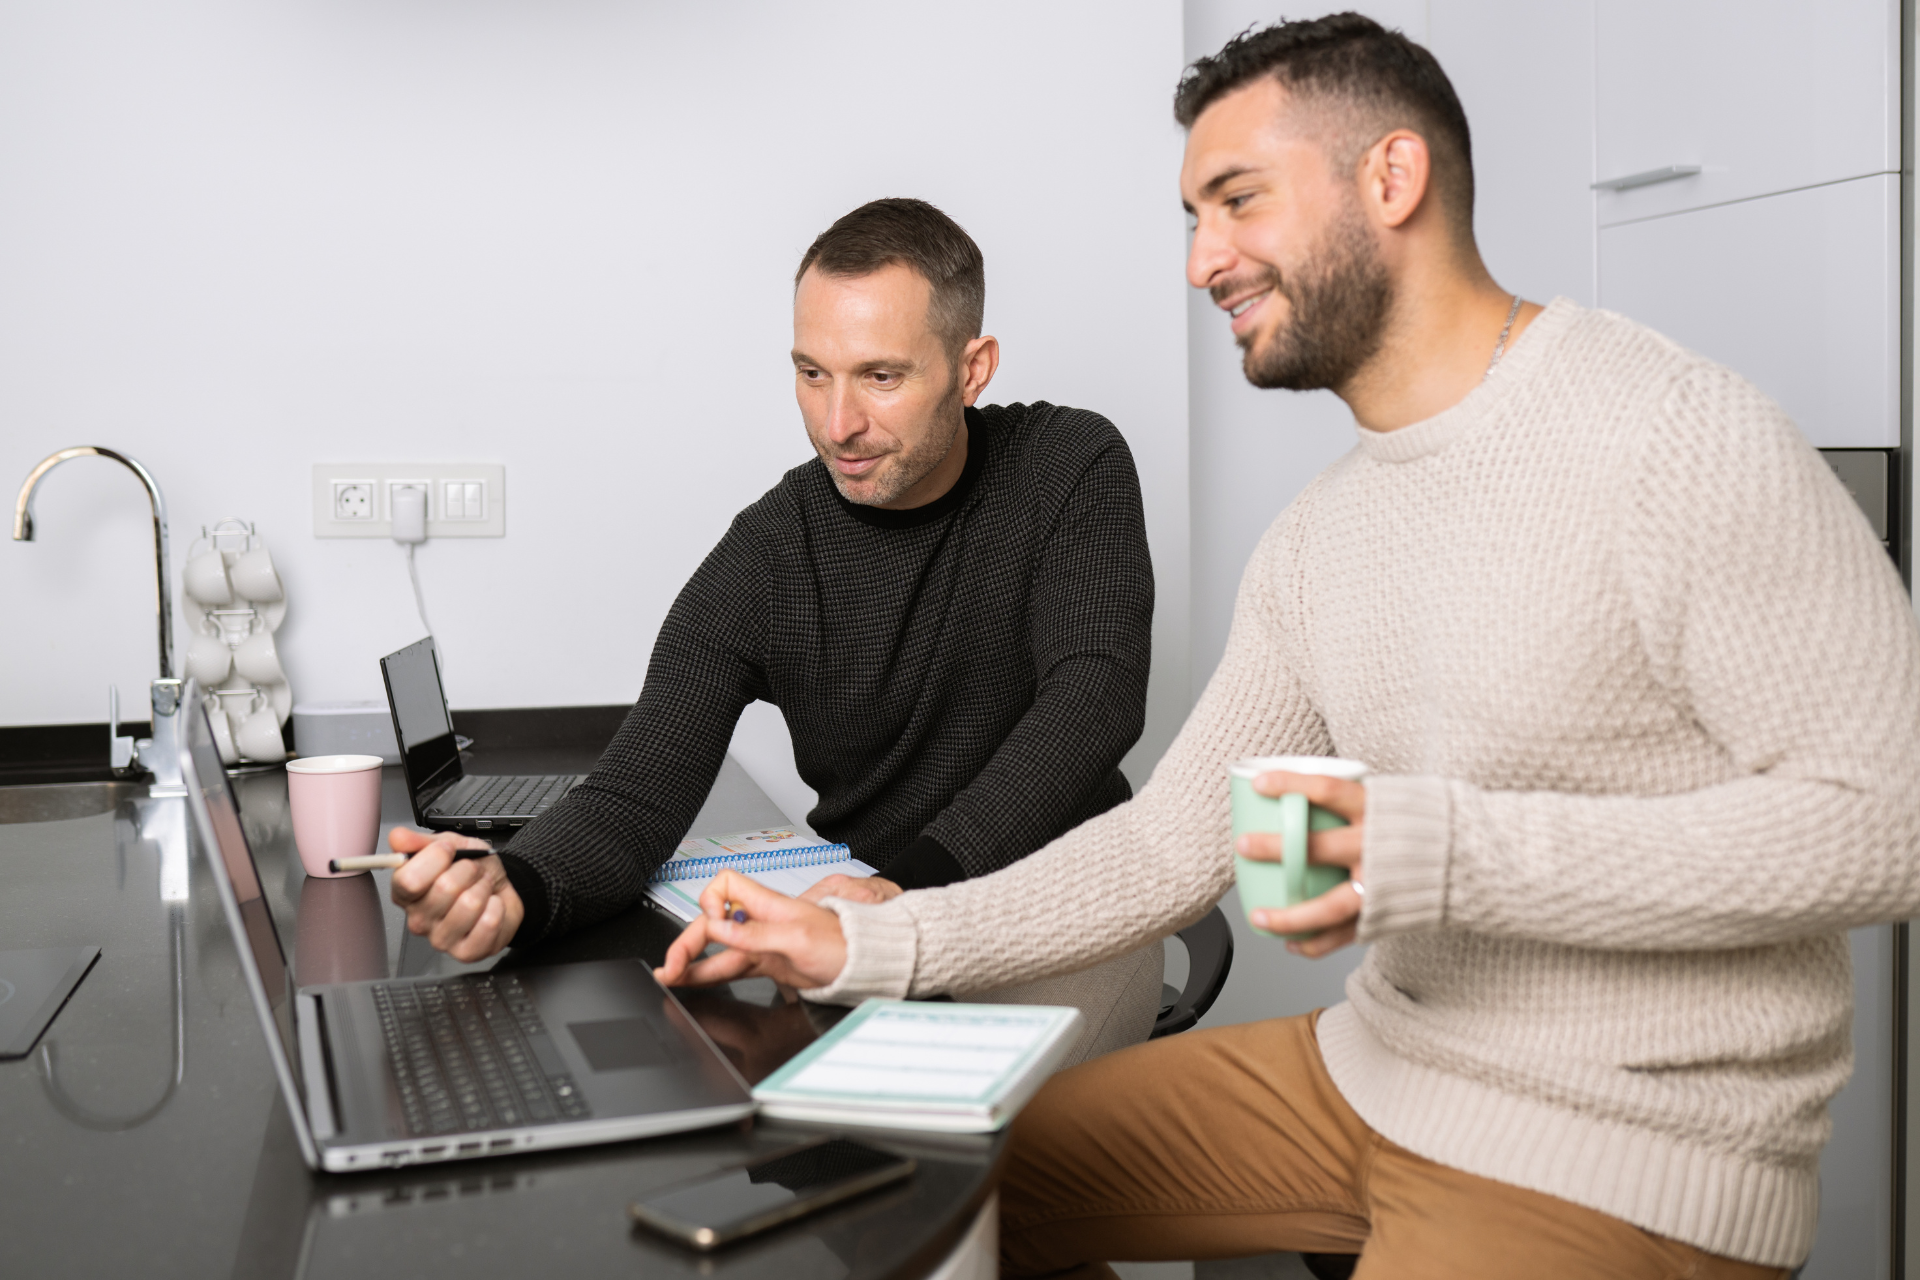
(1221, 179)
(900, 363)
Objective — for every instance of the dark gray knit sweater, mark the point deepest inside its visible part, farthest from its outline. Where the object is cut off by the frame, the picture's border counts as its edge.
(960, 680)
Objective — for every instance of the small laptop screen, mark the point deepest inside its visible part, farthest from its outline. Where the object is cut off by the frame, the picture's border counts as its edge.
(215, 795)
(420, 718)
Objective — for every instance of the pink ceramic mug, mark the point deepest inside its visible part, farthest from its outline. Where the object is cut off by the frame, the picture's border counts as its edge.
(336, 809)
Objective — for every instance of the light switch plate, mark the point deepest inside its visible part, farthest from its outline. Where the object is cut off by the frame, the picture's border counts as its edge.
(343, 490)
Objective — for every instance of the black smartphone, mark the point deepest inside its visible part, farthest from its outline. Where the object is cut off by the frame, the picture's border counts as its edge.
(726, 1206)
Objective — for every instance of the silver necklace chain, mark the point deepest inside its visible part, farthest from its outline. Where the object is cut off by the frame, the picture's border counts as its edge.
(1500, 347)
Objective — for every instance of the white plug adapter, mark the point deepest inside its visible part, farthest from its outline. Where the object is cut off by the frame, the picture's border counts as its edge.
(409, 514)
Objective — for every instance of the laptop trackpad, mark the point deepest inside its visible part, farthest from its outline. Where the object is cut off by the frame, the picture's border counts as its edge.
(621, 1044)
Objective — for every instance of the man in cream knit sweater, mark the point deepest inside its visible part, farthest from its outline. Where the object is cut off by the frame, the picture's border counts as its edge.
(1640, 693)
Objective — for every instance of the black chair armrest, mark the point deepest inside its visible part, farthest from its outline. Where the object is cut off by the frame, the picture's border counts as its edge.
(1209, 943)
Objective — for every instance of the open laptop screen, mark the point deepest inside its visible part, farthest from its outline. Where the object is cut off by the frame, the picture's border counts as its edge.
(212, 799)
(420, 719)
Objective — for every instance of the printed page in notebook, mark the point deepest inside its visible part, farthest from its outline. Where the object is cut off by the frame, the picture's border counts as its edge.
(765, 840)
(682, 897)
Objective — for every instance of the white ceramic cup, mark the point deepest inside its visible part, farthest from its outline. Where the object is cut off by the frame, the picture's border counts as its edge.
(258, 659)
(209, 660)
(222, 733)
(336, 809)
(253, 576)
(258, 737)
(206, 579)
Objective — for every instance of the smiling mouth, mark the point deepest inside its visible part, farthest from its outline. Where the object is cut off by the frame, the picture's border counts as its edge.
(1244, 314)
(1241, 307)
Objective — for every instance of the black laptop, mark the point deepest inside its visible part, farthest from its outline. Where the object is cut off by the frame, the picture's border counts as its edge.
(445, 797)
(477, 1064)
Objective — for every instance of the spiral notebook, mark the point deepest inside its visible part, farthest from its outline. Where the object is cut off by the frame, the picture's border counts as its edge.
(778, 857)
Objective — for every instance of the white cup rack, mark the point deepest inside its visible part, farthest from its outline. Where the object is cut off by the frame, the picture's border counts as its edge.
(232, 602)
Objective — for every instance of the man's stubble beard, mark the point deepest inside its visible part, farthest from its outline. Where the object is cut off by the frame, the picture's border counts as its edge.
(1339, 302)
(907, 469)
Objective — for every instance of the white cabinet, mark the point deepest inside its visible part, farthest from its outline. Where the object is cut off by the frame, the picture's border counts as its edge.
(1799, 293)
(1763, 95)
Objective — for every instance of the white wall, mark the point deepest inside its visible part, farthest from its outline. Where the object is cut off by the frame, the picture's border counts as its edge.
(240, 238)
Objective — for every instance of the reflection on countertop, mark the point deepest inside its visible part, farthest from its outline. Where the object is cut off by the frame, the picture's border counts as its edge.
(145, 1134)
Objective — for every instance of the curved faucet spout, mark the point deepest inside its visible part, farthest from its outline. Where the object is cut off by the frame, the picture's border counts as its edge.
(23, 532)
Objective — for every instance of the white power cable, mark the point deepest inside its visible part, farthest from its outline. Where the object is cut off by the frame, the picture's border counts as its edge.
(420, 602)
(407, 507)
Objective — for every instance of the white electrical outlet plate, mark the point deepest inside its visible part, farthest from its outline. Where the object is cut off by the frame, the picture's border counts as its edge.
(355, 499)
(352, 500)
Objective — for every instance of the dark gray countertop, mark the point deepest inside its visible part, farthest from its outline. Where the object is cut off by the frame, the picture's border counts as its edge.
(145, 1136)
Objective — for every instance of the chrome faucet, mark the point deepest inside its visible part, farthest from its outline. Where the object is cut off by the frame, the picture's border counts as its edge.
(160, 754)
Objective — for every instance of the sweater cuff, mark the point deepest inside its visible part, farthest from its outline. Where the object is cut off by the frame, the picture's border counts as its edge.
(882, 941)
(924, 864)
(1404, 862)
(533, 899)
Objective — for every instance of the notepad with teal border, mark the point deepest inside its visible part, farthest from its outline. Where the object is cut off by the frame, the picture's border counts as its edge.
(924, 1065)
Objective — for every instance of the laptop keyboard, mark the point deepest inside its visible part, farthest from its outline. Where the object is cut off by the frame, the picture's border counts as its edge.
(509, 795)
(471, 1053)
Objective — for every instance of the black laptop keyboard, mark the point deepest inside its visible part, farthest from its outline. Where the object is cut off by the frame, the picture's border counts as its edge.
(471, 1053)
(509, 795)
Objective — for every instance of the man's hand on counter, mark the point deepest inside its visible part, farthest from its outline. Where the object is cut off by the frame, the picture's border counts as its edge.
(795, 943)
(853, 889)
(467, 908)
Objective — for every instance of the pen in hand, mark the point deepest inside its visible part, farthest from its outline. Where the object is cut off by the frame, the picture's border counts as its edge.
(734, 911)
(390, 861)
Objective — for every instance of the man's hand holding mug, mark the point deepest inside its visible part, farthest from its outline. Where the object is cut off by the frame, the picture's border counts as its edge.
(1281, 803)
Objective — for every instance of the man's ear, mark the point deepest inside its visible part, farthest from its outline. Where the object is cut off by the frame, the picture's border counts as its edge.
(978, 360)
(1395, 175)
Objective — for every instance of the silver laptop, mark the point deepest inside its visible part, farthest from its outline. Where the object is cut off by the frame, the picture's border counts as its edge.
(380, 1074)
(445, 796)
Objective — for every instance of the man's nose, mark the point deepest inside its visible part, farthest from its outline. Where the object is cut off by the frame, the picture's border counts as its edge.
(1211, 256)
(844, 419)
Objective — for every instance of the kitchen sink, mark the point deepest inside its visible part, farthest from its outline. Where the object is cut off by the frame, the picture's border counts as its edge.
(59, 802)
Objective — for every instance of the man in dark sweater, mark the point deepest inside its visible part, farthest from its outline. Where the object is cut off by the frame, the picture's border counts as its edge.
(950, 605)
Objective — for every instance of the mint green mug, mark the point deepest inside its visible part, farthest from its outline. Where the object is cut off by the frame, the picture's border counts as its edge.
(1292, 881)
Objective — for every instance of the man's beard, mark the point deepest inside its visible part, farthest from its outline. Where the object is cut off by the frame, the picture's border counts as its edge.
(908, 468)
(1340, 305)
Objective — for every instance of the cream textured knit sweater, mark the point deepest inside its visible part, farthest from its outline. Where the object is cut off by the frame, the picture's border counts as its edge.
(1642, 696)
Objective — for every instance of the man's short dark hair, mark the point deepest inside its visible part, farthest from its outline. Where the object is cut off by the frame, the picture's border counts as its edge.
(1372, 79)
(915, 234)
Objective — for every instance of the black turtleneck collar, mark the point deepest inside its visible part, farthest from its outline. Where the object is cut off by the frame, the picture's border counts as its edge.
(914, 517)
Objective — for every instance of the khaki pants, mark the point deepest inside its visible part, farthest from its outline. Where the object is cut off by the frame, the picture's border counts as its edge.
(1120, 999)
(1233, 1142)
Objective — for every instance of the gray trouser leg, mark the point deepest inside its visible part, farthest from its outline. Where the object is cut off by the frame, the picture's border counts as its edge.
(1119, 999)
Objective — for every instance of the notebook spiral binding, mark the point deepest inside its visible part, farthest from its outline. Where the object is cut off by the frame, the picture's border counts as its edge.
(812, 855)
